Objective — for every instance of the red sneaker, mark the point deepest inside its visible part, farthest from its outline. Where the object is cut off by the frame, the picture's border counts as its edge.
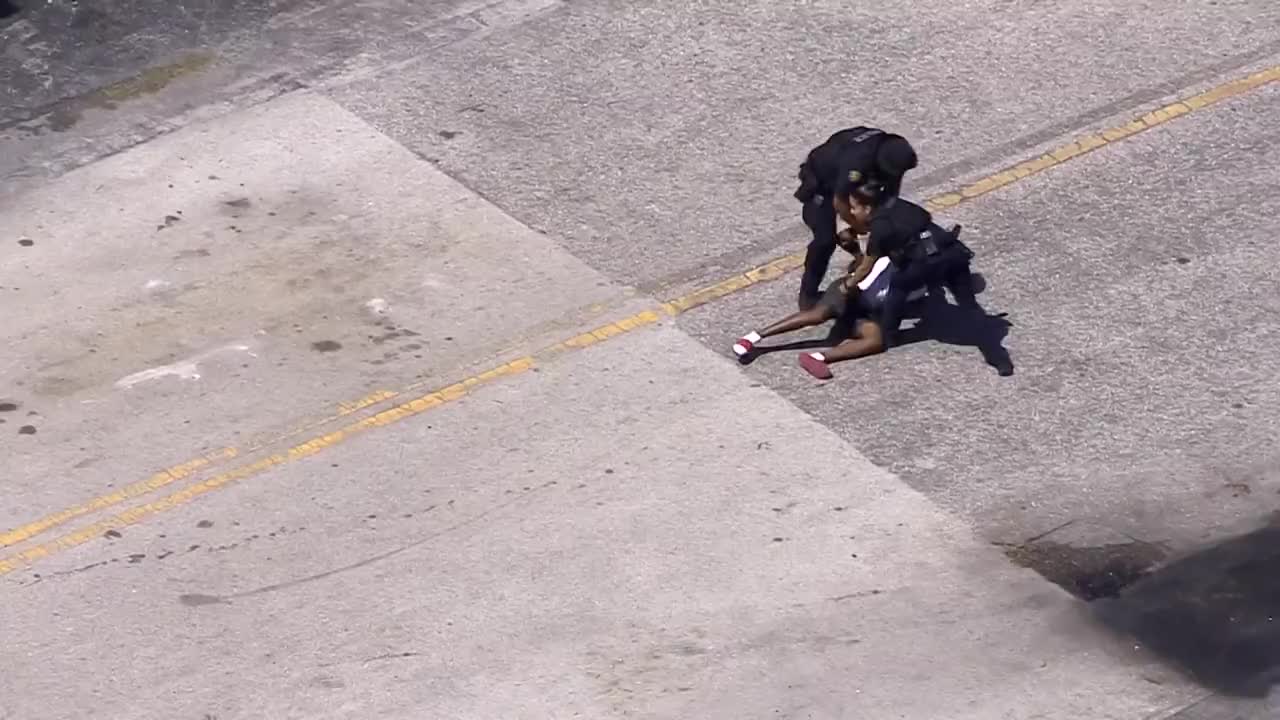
(815, 365)
(743, 347)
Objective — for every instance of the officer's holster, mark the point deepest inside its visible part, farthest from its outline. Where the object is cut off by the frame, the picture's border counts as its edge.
(927, 245)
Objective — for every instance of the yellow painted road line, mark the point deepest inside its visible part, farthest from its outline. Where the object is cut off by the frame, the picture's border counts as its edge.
(165, 477)
(168, 476)
(315, 445)
(769, 271)
(1092, 142)
(132, 516)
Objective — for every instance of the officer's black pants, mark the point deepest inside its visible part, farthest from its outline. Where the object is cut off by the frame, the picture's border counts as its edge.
(950, 267)
(821, 219)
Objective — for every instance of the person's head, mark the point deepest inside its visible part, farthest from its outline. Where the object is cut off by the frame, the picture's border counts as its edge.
(896, 156)
(860, 202)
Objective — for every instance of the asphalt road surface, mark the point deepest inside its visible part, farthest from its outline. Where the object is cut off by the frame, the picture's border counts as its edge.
(371, 360)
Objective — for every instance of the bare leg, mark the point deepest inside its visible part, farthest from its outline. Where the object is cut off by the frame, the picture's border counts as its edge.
(799, 321)
(745, 347)
(870, 341)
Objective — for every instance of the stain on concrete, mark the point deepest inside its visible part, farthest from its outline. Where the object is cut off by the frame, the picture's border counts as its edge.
(392, 656)
(57, 386)
(27, 430)
(326, 346)
(112, 534)
(188, 369)
(238, 203)
(380, 339)
(66, 114)
(204, 524)
(9, 406)
(26, 242)
(449, 134)
(857, 595)
(328, 682)
(200, 600)
(169, 221)
(1238, 489)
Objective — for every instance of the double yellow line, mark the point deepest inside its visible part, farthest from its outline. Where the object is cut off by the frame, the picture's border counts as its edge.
(434, 399)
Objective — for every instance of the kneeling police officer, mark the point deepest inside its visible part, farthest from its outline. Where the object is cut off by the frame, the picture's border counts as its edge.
(923, 254)
(848, 158)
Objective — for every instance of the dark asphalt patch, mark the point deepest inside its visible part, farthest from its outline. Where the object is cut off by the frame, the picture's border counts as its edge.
(1089, 573)
(1214, 613)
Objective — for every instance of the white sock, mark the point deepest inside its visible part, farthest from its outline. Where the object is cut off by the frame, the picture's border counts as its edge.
(750, 339)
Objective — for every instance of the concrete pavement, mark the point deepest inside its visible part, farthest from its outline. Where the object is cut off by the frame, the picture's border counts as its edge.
(243, 289)
(635, 531)
(269, 292)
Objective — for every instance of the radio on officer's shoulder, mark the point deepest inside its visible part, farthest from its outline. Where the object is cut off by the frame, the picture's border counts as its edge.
(929, 244)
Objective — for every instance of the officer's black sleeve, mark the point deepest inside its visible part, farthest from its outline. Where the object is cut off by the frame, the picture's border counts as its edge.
(892, 185)
(852, 172)
(894, 159)
(881, 240)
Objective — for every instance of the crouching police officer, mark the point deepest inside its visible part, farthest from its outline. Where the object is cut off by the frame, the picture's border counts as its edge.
(848, 158)
(923, 255)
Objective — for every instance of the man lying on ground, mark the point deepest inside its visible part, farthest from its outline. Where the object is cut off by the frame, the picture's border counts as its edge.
(857, 304)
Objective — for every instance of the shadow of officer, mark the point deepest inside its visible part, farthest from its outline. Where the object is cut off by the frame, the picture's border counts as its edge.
(924, 255)
(962, 326)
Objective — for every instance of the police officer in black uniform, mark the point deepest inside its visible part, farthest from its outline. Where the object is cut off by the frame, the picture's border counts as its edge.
(849, 157)
(922, 252)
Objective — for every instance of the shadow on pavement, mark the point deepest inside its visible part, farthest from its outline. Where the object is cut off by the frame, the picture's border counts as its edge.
(954, 325)
(1214, 613)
